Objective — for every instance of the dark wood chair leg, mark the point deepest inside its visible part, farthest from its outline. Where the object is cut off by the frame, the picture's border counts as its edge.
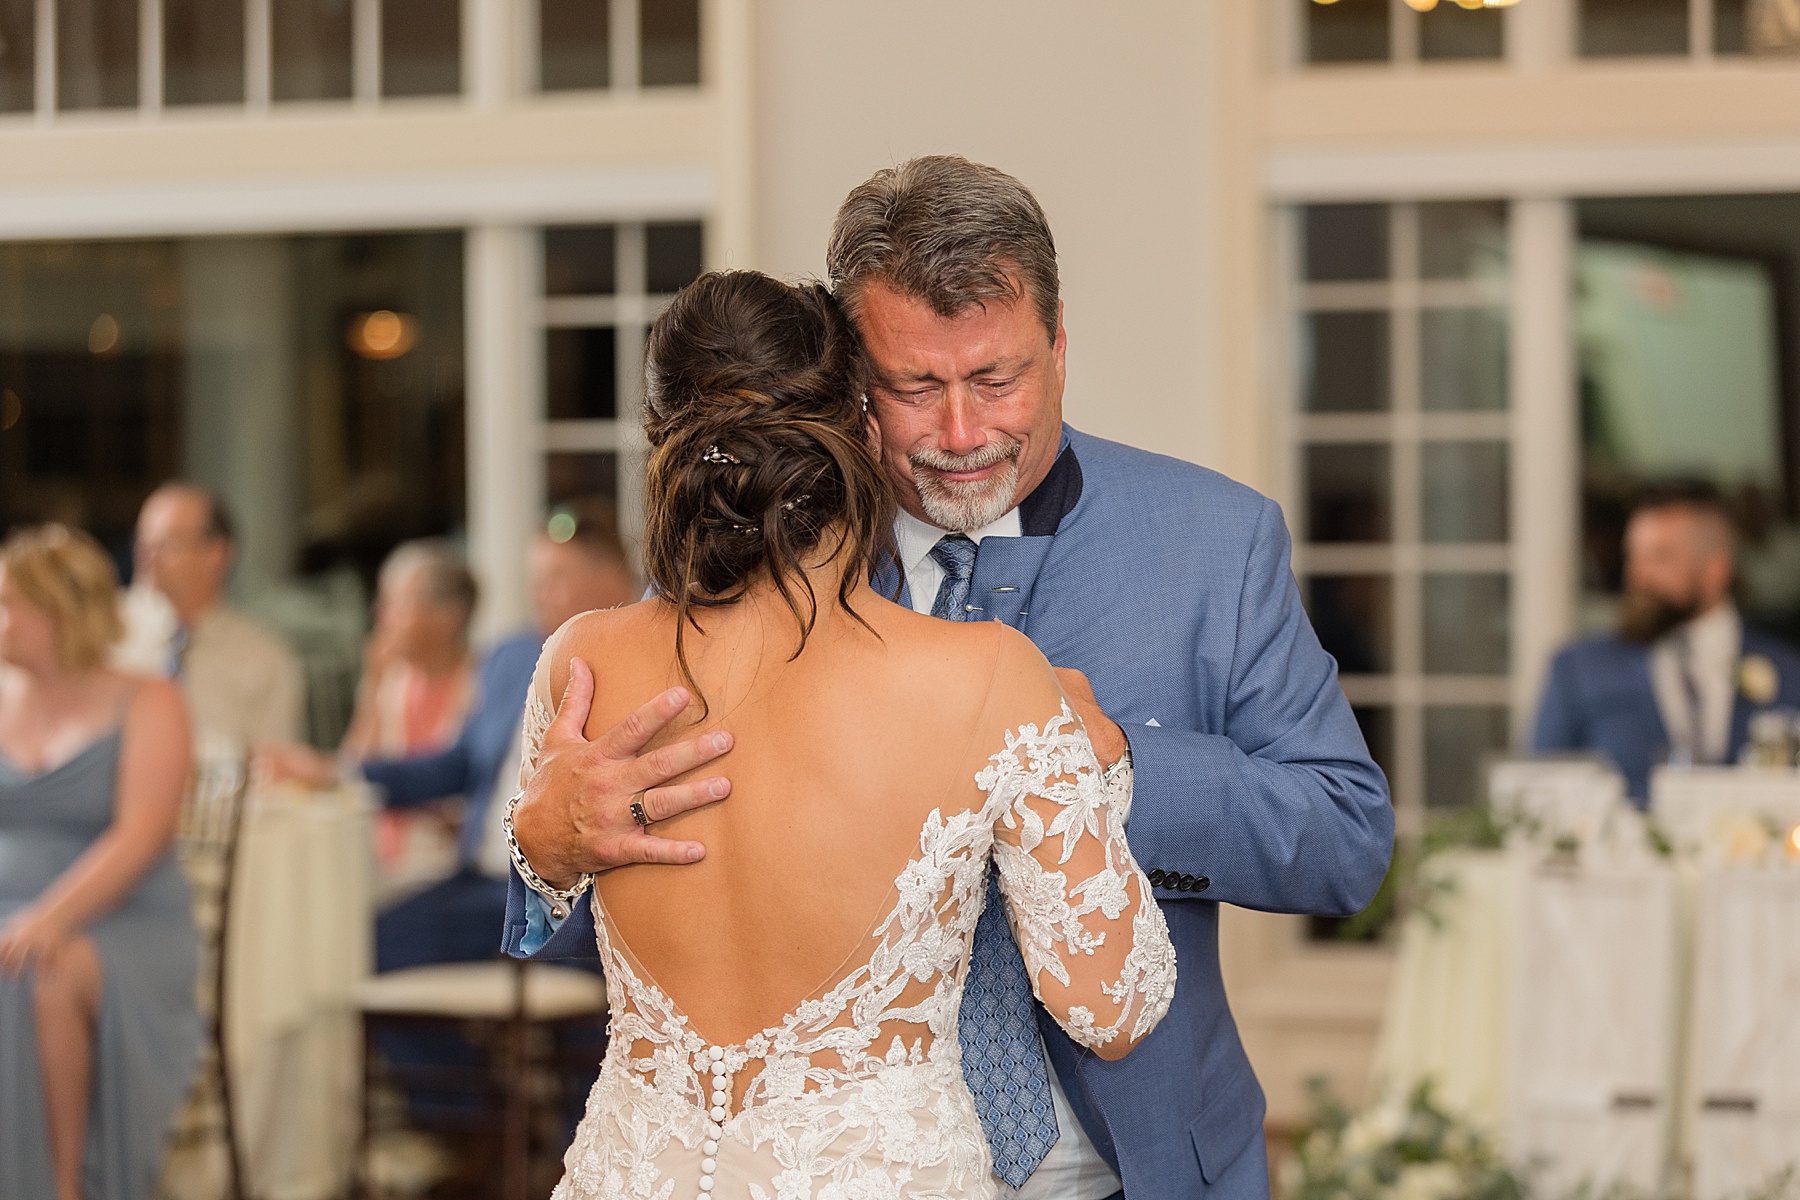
(360, 1187)
(516, 1151)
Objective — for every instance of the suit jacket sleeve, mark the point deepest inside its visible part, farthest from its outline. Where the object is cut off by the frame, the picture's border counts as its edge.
(1284, 810)
(424, 777)
(532, 933)
(1558, 724)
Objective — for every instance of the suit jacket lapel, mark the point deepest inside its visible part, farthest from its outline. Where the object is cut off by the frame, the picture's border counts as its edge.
(1646, 686)
(1006, 571)
(1741, 708)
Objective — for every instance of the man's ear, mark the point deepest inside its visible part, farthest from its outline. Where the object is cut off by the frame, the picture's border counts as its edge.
(1059, 345)
(871, 427)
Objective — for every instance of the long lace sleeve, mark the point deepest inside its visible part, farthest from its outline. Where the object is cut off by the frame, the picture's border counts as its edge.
(1094, 941)
(539, 712)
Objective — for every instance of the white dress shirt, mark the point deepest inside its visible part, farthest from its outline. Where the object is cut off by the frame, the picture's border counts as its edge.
(1711, 642)
(1073, 1170)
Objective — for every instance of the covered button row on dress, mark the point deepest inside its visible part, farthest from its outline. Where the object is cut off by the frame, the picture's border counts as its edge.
(721, 1100)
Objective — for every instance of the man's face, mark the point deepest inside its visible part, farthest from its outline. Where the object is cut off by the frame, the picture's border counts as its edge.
(176, 556)
(1676, 568)
(969, 407)
(411, 623)
(567, 581)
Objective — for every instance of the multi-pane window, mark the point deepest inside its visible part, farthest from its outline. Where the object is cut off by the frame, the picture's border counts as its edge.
(603, 286)
(1402, 455)
(238, 52)
(1373, 31)
(1396, 31)
(1623, 28)
(587, 44)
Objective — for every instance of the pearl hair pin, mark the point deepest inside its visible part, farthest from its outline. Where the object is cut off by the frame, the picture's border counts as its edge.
(715, 455)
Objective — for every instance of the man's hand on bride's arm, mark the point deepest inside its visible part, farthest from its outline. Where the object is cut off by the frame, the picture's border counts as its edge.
(575, 817)
(1109, 740)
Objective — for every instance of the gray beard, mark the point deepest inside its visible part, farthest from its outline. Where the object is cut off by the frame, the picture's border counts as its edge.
(964, 508)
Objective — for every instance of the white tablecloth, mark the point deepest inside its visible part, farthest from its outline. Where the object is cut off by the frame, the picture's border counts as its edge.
(1621, 1021)
(1743, 1080)
(301, 941)
(1447, 1015)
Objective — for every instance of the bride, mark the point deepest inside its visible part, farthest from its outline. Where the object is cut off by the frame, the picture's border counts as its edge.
(784, 1012)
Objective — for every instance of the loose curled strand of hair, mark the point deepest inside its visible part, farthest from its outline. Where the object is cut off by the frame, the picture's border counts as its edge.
(761, 461)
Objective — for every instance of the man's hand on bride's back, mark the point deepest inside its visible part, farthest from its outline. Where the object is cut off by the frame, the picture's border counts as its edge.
(576, 815)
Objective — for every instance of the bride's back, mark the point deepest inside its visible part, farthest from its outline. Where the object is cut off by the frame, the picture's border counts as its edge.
(853, 718)
(840, 754)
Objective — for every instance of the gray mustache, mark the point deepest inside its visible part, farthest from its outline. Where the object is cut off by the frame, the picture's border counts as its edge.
(986, 456)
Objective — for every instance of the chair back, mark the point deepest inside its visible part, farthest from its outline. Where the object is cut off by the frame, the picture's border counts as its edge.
(206, 843)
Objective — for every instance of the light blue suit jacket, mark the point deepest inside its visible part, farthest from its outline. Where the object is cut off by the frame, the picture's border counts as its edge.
(470, 766)
(1169, 586)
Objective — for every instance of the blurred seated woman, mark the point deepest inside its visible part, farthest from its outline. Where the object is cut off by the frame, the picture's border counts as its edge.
(418, 682)
(99, 1033)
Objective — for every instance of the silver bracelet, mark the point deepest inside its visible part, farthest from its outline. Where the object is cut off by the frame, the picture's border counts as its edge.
(562, 900)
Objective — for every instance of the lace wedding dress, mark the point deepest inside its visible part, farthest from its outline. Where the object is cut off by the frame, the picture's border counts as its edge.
(858, 1093)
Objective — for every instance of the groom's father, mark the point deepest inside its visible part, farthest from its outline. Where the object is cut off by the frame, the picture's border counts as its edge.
(1165, 585)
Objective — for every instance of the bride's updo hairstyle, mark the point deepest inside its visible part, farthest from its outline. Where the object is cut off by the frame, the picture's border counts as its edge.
(760, 455)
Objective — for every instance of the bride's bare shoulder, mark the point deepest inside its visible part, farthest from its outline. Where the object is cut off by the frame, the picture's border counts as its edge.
(977, 657)
(597, 636)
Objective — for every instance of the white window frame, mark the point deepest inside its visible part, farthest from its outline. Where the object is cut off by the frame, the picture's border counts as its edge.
(1405, 427)
(630, 311)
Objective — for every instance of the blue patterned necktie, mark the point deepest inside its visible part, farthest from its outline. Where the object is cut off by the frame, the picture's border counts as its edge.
(1003, 1058)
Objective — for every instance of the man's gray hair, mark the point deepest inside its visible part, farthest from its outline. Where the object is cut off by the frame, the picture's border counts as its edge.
(946, 231)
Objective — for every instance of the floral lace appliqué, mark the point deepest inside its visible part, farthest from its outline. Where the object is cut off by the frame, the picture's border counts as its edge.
(858, 1092)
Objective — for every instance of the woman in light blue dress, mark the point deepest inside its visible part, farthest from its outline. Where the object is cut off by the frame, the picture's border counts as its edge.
(99, 1033)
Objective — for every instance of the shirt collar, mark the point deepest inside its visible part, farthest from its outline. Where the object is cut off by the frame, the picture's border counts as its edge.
(915, 538)
(1714, 634)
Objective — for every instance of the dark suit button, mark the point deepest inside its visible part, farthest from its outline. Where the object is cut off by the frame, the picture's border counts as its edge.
(1201, 883)
(1156, 877)
(1187, 883)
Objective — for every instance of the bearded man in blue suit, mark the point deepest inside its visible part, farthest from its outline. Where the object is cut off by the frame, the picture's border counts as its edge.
(1682, 676)
(1163, 594)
